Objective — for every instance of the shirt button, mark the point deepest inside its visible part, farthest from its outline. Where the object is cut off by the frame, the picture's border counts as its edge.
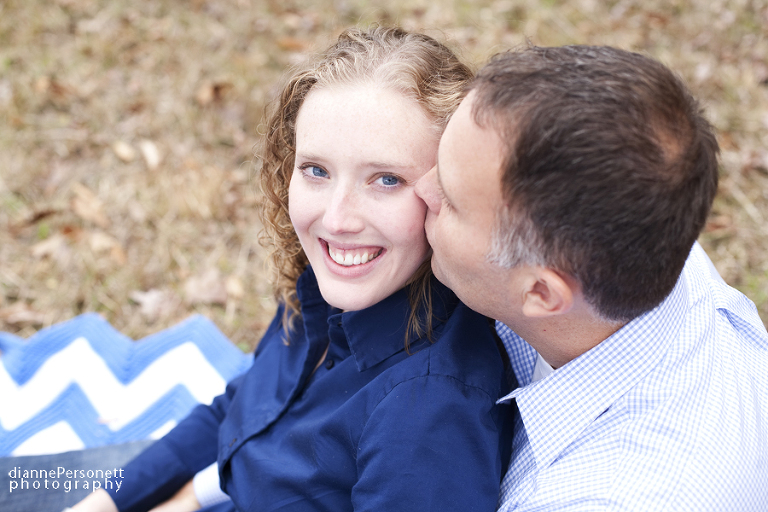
(233, 442)
(328, 364)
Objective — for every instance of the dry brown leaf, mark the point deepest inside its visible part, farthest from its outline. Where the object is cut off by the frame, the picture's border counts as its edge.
(204, 94)
(74, 233)
(36, 216)
(88, 207)
(292, 20)
(55, 248)
(101, 242)
(718, 223)
(206, 288)
(42, 84)
(94, 25)
(759, 160)
(118, 255)
(51, 87)
(6, 93)
(136, 211)
(124, 151)
(150, 153)
(292, 44)
(212, 92)
(20, 314)
(49, 247)
(239, 176)
(234, 287)
(154, 303)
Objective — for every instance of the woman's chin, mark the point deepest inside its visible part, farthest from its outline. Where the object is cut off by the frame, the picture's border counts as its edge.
(348, 298)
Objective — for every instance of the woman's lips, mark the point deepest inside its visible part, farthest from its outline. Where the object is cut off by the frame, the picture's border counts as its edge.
(353, 257)
(350, 258)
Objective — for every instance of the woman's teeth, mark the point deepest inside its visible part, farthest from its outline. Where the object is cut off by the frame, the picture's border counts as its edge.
(350, 258)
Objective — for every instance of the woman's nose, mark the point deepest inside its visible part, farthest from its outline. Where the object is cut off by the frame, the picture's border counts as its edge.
(426, 189)
(342, 214)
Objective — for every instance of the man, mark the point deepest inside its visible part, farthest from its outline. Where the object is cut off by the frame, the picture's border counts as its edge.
(570, 188)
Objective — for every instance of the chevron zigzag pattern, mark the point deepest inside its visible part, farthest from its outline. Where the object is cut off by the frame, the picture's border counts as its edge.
(81, 384)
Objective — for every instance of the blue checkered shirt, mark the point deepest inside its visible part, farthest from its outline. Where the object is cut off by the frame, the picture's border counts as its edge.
(670, 413)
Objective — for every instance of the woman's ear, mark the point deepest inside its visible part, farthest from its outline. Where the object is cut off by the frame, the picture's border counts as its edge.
(547, 293)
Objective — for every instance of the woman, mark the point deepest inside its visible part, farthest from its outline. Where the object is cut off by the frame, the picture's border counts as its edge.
(373, 388)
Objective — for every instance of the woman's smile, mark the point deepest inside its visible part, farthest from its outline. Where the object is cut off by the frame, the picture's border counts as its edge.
(352, 256)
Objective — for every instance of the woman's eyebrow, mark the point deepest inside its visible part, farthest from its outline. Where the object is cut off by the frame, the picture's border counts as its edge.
(387, 165)
(306, 156)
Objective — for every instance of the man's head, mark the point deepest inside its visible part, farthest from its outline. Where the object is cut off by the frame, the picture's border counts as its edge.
(591, 164)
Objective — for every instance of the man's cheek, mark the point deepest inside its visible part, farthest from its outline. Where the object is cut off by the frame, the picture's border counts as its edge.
(429, 225)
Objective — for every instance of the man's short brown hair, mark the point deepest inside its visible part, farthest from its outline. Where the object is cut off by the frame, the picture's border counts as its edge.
(610, 171)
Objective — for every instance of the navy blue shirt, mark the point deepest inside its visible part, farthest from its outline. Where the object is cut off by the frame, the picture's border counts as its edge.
(373, 428)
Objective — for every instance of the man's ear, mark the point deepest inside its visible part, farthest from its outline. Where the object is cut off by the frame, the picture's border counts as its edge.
(547, 293)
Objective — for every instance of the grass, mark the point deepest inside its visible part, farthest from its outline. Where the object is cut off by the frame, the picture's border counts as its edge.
(127, 132)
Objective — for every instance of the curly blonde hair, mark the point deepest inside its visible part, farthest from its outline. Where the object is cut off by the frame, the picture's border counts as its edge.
(414, 64)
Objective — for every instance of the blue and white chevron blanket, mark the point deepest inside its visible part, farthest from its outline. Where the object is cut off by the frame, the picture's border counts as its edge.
(81, 384)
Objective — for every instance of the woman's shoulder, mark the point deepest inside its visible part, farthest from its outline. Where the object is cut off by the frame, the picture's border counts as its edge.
(463, 350)
(467, 347)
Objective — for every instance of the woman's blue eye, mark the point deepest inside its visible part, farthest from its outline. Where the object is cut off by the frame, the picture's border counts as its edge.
(317, 172)
(389, 181)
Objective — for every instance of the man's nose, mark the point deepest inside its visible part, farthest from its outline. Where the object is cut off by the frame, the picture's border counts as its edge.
(342, 214)
(426, 189)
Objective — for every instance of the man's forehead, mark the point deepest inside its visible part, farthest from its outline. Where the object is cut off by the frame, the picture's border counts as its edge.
(450, 143)
(467, 149)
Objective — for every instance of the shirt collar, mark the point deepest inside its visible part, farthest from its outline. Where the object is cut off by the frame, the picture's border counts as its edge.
(377, 332)
(307, 289)
(556, 409)
(542, 369)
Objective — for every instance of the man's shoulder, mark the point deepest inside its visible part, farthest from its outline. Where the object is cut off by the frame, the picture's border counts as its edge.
(719, 310)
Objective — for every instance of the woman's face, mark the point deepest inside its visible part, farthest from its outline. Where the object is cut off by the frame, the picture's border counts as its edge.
(359, 151)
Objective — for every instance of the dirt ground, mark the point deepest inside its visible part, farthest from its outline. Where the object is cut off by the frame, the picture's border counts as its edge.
(127, 134)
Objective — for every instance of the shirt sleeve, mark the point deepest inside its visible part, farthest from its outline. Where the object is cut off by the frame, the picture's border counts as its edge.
(165, 466)
(207, 487)
(432, 443)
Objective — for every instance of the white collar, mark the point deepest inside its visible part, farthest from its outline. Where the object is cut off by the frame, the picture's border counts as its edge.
(541, 370)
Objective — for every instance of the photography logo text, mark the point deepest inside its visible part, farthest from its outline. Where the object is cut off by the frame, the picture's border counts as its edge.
(64, 479)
